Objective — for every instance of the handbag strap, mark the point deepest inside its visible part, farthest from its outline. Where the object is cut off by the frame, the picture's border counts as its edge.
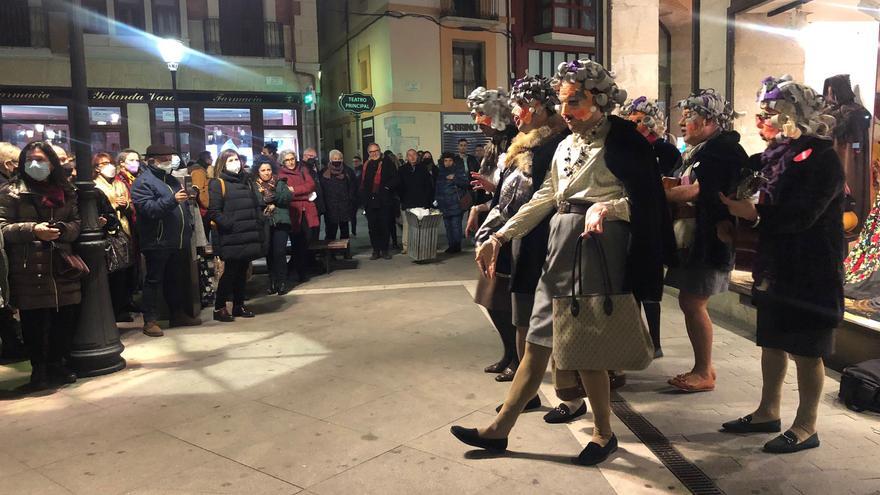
(577, 272)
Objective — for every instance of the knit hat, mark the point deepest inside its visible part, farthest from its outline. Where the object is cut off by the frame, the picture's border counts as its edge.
(495, 103)
(711, 106)
(594, 78)
(534, 88)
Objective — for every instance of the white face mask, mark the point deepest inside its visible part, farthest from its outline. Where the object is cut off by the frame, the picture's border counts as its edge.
(233, 165)
(175, 160)
(167, 167)
(39, 171)
(108, 171)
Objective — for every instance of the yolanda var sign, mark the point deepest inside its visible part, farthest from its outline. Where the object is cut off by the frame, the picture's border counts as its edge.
(356, 103)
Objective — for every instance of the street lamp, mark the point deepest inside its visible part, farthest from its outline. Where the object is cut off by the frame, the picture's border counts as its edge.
(172, 51)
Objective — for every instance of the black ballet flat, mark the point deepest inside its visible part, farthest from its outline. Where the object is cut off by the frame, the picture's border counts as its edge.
(594, 454)
(531, 405)
(561, 414)
(496, 367)
(787, 443)
(470, 437)
(506, 375)
(746, 425)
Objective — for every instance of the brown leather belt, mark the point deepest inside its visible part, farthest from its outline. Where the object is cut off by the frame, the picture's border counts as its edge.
(579, 208)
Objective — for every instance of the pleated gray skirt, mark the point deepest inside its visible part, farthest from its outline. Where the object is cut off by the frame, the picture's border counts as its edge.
(556, 276)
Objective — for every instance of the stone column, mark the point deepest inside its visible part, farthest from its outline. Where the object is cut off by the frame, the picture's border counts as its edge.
(635, 34)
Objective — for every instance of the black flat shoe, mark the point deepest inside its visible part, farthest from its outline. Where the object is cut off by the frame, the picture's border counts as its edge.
(223, 315)
(506, 375)
(496, 367)
(39, 380)
(658, 353)
(470, 437)
(57, 373)
(594, 454)
(283, 289)
(272, 289)
(531, 405)
(787, 443)
(243, 312)
(561, 414)
(745, 425)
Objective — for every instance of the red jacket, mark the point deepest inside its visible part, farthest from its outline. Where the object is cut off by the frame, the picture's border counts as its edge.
(303, 185)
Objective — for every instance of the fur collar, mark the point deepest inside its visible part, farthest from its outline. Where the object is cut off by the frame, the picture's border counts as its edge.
(519, 154)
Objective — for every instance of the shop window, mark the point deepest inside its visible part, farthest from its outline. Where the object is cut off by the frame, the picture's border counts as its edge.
(25, 123)
(131, 12)
(166, 18)
(468, 70)
(280, 127)
(96, 19)
(163, 118)
(544, 63)
(108, 129)
(279, 117)
(229, 128)
(165, 115)
(576, 16)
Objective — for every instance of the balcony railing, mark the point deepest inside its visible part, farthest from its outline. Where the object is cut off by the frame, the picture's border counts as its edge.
(473, 9)
(247, 41)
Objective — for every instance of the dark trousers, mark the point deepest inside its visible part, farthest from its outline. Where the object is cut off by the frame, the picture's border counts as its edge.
(277, 258)
(652, 314)
(354, 223)
(47, 332)
(392, 225)
(330, 230)
(120, 290)
(299, 262)
(162, 265)
(9, 331)
(232, 282)
(377, 222)
(453, 230)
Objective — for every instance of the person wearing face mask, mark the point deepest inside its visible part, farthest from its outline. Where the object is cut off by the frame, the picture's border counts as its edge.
(8, 162)
(164, 225)
(276, 196)
(304, 219)
(596, 188)
(416, 189)
(712, 164)
(798, 288)
(340, 196)
(236, 211)
(118, 203)
(39, 216)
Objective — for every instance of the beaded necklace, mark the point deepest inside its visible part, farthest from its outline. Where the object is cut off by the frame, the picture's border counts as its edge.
(583, 142)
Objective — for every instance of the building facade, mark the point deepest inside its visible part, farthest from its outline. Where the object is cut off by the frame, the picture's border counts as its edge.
(240, 84)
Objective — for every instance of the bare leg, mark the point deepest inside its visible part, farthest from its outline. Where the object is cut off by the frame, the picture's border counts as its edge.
(699, 328)
(521, 341)
(811, 378)
(773, 365)
(524, 386)
(599, 393)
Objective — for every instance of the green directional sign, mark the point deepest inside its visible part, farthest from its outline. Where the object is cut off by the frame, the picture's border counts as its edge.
(356, 103)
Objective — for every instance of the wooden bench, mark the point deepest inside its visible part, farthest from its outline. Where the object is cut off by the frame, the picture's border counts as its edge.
(328, 248)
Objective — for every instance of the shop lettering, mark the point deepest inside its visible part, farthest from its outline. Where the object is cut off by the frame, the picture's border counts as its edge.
(237, 99)
(461, 128)
(37, 95)
(116, 96)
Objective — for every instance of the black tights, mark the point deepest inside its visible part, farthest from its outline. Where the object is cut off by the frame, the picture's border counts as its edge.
(503, 322)
(652, 314)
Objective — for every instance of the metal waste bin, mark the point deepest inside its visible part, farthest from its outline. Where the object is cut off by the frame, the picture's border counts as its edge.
(423, 235)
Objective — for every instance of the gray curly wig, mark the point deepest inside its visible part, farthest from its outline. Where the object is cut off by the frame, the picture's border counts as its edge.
(801, 110)
(594, 78)
(654, 119)
(492, 102)
(535, 88)
(711, 106)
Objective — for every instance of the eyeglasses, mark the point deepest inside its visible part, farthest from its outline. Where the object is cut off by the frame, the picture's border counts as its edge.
(288, 160)
(373, 152)
(101, 164)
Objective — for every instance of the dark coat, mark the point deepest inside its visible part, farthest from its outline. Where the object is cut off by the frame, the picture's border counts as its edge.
(471, 162)
(668, 156)
(630, 158)
(238, 216)
(5, 176)
(448, 192)
(801, 244)
(384, 195)
(31, 278)
(416, 187)
(340, 195)
(720, 164)
(162, 222)
(281, 199)
(530, 252)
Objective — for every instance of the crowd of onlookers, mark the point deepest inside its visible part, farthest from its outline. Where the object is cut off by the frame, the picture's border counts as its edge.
(160, 215)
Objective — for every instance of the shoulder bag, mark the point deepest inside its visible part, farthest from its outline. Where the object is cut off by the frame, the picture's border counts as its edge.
(599, 331)
(118, 251)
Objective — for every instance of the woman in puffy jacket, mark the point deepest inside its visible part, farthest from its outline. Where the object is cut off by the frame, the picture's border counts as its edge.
(39, 219)
(303, 211)
(236, 212)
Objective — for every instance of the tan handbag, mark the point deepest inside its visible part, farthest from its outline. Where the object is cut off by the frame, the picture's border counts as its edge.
(599, 331)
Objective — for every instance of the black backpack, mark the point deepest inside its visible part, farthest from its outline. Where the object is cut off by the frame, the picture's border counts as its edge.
(860, 386)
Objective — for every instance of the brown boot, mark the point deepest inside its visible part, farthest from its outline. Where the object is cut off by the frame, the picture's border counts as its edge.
(181, 319)
(151, 329)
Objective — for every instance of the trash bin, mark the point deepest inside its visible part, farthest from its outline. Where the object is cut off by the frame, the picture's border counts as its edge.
(424, 230)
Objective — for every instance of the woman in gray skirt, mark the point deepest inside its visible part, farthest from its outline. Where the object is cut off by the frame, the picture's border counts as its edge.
(597, 186)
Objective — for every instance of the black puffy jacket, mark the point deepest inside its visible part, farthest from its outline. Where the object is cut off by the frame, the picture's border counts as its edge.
(236, 211)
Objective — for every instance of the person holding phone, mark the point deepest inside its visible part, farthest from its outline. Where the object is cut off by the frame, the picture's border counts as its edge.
(165, 231)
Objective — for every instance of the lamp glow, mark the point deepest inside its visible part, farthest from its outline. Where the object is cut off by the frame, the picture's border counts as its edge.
(172, 51)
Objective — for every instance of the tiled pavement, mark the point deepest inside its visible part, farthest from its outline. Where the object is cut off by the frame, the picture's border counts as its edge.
(353, 391)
